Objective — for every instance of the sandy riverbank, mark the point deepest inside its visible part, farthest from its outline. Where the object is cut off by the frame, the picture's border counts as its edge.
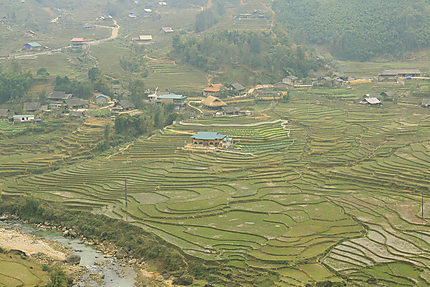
(31, 244)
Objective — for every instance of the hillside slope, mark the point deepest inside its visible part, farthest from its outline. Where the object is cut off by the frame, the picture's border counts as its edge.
(358, 29)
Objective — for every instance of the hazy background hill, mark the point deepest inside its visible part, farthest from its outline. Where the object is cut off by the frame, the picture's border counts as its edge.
(358, 29)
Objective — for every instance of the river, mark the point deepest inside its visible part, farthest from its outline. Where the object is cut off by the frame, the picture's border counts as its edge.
(101, 270)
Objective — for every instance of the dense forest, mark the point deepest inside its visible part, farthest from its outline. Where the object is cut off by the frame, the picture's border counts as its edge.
(268, 52)
(358, 29)
(14, 84)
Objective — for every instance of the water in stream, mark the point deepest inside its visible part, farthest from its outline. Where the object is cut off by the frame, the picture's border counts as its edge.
(109, 269)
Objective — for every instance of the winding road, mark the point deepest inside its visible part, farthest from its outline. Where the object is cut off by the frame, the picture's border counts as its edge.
(113, 36)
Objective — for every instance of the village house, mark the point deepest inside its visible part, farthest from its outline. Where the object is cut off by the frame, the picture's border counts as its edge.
(425, 103)
(126, 105)
(77, 103)
(371, 100)
(212, 89)
(145, 38)
(212, 102)
(231, 111)
(237, 87)
(77, 43)
(393, 75)
(102, 99)
(58, 96)
(31, 106)
(211, 139)
(90, 26)
(290, 80)
(389, 96)
(167, 29)
(16, 119)
(178, 100)
(33, 46)
(4, 113)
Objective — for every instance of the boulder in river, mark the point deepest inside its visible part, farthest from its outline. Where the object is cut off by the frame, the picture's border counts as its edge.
(73, 259)
(120, 254)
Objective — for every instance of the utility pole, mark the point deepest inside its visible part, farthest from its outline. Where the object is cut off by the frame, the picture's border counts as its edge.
(422, 204)
(125, 191)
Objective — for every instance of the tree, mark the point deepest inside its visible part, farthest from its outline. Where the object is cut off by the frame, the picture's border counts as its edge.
(93, 74)
(58, 278)
(42, 72)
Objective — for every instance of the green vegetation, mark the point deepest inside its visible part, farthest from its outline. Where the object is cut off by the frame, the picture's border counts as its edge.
(14, 84)
(265, 51)
(155, 118)
(17, 270)
(99, 228)
(358, 29)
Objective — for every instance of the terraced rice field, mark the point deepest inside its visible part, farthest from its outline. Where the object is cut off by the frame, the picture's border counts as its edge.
(16, 271)
(333, 193)
(24, 152)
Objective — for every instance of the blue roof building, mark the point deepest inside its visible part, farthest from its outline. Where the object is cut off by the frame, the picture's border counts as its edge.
(32, 45)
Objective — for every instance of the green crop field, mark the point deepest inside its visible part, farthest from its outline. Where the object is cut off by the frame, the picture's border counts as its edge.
(321, 188)
(15, 271)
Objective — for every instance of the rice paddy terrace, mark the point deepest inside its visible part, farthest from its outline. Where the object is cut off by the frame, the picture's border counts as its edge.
(332, 192)
(27, 149)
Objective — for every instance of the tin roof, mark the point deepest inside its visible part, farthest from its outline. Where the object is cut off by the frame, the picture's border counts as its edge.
(172, 96)
(208, 136)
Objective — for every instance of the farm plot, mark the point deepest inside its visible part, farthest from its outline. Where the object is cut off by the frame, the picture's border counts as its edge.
(25, 149)
(332, 194)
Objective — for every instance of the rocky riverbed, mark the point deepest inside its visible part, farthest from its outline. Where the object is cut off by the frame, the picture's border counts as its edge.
(88, 263)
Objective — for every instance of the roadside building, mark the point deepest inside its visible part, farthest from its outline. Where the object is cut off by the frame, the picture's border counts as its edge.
(213, 102)
(31, 106)
(211, 139)
(393, 75)
(33, 46)
(77, 103)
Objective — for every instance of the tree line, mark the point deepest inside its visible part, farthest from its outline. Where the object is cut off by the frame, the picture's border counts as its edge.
(269, 52)
(154, 117)
(358, 29)
(84, 89)
(14, 84)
